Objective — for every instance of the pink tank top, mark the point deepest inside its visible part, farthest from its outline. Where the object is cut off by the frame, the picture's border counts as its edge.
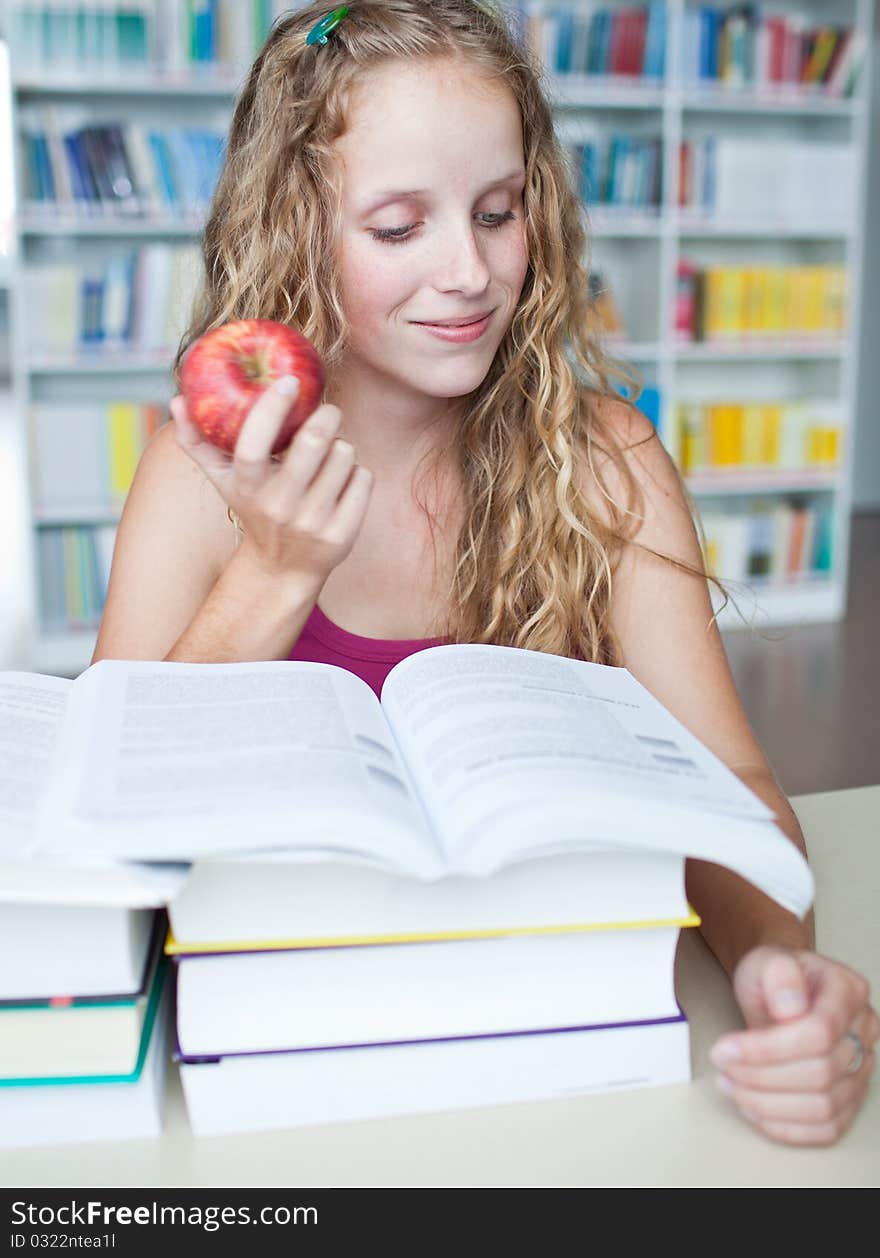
(371, 658)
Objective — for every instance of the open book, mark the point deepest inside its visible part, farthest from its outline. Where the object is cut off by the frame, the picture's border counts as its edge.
(477, 757)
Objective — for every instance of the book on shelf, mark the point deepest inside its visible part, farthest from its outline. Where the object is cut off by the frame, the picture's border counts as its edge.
(86, 1108)
(808, 183)
(135, 301)
(270, 1091)
(57, 950)
(604, 310)
(778, 541)
(476, 757)
(622, 173)
(744, 46)
(85, 455)
(796, 435)
(74, 564)
(77, 1035)
(170, 36)
(628, 42)
(116, 170)
(725, 304)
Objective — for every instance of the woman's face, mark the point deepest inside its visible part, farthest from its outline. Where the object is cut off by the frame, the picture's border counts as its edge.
(435, 156)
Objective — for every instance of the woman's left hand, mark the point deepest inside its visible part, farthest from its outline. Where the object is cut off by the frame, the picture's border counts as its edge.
(796, 1073)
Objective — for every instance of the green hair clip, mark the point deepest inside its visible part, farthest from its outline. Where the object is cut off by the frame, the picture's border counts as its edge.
(318, 34)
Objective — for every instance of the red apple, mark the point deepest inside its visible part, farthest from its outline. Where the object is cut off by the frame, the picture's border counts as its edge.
(226, 370)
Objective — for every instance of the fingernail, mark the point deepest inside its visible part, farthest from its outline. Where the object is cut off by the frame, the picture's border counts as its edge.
(789, 1001)
(287, 385)
(723, 1084)
(725, 1054)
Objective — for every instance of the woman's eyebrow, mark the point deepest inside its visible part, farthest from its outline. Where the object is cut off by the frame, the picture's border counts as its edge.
(395, 194)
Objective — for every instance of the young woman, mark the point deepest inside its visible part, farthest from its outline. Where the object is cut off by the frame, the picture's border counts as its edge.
(481, 486)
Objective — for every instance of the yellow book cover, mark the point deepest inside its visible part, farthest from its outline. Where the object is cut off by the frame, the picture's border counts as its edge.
(817, 63)
(772, 420)
(712, 314)
(775, 297)
(816, 300)
(124, 420)
(837, 300)
(793, 319)
(733, 302)
(726, 435)
(755, 305)
(692, 436)
(823, 445)
(753, 434)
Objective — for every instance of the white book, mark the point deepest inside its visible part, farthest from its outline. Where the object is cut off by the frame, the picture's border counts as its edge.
(283, 1090)
(317, 998)
(52, 308)
(70, 456)
(476, 757)
(143, 167)
(152, 285)
(58, 159)
(80, 1113)
(248, 902)
(78, 1036)
(186, 273)
(52, 950)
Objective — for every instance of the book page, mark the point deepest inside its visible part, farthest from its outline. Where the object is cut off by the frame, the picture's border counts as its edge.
(32, 707)
(164, 760)
(519, 753)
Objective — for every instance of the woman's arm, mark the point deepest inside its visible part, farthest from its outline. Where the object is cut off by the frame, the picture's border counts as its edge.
(795, 1072)
(178, 589)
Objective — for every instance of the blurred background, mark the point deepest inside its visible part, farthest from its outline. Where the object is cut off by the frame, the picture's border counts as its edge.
(728, 159)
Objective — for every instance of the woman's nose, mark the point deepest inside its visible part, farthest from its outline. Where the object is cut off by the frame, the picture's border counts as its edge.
(462, 265)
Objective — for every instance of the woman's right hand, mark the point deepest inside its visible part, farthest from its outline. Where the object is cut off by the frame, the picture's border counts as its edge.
(300, 511)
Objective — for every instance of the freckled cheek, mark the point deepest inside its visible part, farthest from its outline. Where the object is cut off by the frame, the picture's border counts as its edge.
(371, 288)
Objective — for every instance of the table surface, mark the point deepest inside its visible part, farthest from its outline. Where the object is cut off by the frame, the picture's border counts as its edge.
(678, 1135)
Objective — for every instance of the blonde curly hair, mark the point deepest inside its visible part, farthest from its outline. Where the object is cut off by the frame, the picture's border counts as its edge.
(533, 561)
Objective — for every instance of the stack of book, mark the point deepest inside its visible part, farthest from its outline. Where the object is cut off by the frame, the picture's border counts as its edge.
(321, 993)
(83, 1023)
(467, 893)
(84, 1006)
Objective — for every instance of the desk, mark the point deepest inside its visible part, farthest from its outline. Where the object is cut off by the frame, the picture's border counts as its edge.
(686, 1134)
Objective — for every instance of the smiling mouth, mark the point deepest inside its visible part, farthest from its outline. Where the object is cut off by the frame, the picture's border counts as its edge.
(469, 323)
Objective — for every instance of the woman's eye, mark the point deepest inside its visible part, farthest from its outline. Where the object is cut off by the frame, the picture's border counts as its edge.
(397, 235)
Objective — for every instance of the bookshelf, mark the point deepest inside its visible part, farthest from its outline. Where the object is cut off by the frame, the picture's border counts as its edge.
(638, 243)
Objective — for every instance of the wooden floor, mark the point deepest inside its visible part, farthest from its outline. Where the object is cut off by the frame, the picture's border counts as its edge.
(812, 693)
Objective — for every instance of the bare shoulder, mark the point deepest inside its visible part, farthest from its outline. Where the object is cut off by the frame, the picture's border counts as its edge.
(173, 540)
(660, 608)
(637, 472)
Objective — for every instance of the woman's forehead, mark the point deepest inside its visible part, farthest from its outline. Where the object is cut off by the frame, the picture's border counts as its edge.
(409, 127)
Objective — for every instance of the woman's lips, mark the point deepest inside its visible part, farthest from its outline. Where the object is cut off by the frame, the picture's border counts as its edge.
(469, 332)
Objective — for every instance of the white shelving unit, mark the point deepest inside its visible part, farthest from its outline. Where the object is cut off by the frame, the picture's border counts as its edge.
(640, 252)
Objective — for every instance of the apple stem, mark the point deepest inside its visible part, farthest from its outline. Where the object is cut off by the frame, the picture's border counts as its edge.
(256, 367)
